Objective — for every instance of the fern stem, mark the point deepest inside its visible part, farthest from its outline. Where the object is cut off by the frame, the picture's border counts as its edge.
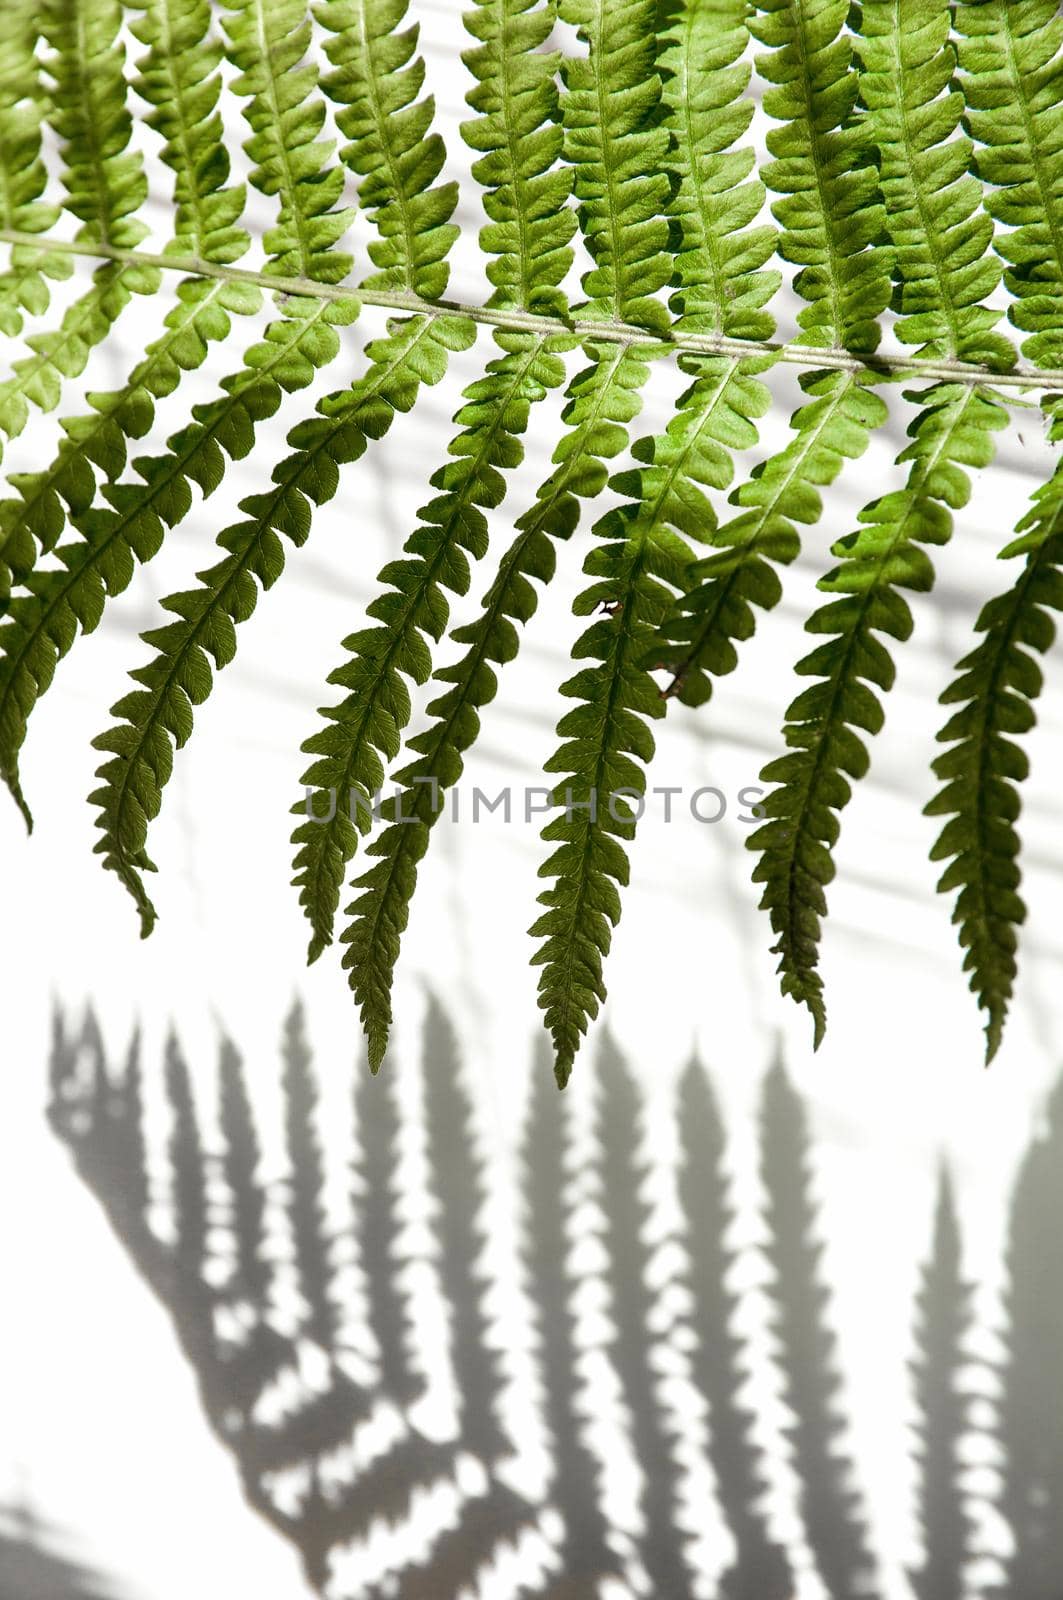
(613, 331)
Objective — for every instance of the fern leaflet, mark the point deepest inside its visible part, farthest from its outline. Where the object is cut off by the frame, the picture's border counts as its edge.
(180, 676)
(23, 177)
(997, 683)
(1012, 77)
(830, 214)
(105, 185)
(178, 77)
(531, 259)
(716, 264)
(885, 556)
(942, 278)
(601, 401)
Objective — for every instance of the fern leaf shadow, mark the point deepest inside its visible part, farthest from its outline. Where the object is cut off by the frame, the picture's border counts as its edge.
(33, 1565)
(300, 1289)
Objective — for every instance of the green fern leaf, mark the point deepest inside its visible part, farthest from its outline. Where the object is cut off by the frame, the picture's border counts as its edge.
(831, 218)
(830, 214)
(625, 250)
(602, 401)
(23, 177)
(43, 623)
(32, 524)
(1012, 77)
(367, 724)
(997, 683)
(285, 117)
(517, 130)
(915, 167)
(397, 167)
(943, 272)
(377, 84)
(158, 716)
(619, 160)
(826, 751)
(607, 741)
(268, 41)
(178, 77)
(696, 642)
(720, 284)
(105, 185)
(530, 261)
(942, 237)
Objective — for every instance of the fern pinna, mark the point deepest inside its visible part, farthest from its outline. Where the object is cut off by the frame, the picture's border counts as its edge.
(912, 186)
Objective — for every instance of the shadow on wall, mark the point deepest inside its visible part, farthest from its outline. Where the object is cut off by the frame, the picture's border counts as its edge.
(319, 1406)
(32, 1566)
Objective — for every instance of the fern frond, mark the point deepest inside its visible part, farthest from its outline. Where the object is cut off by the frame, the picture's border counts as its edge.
(24, 285)
(605, 732)
(943, 274)
(698, 637)
(179, 78)
(398, 160)
(414, 353)
(32, 524)
(716, 278)
(104, 179)
(636, 135)
(105, 187)
(285, 118)
(997, 683)
(43, 623)
(826, 751)
(618, 215)
(1011, 70)
(1011, 73)
(718, 262)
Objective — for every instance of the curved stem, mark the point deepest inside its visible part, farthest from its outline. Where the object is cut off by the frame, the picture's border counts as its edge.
(809, 356)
